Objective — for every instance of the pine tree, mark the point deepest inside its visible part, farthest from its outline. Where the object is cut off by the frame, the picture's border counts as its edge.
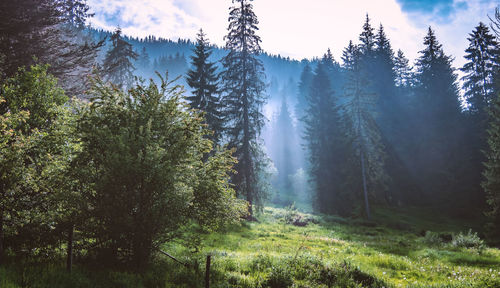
(367, 38)
(49, 32)
(283, 143)
(495, 22)
(478, 83)
(117, 66)
(402, 70)
(143, 60)
(243, 87)
(362, 131)
(333, 70)
(367, 56)
(203, 80)
(483, 56)
(491, 182)
(324, 139)
(385, 80)
(348, 55)
(439, 125)
(303, 91)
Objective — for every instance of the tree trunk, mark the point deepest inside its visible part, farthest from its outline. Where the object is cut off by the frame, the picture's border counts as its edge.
(365, 190)
(1, 237)
(69, 259)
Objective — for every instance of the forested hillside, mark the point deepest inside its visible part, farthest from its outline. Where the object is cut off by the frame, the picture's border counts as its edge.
(151, 162)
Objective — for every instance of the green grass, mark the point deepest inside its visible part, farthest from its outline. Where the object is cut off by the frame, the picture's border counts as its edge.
(389, 251)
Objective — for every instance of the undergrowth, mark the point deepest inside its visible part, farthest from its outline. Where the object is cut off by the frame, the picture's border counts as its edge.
(389, 251)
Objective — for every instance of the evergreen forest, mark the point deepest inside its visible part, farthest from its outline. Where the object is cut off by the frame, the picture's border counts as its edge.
(155, 162)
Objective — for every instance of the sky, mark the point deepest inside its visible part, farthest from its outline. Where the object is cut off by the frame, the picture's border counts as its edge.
(303, 29)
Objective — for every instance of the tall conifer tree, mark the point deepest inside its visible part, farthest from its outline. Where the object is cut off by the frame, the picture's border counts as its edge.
(242, 84)
(203, 80)
(117, 67)
(491, 183)
(368, 154)
(283, 142)
(439, 119)
(402, 70)
(321, 123)
(483, 56)
(49, 32)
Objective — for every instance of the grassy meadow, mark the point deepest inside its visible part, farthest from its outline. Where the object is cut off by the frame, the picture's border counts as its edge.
(399, 248)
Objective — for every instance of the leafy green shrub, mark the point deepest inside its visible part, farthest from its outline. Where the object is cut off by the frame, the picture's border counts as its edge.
(359, 277)
(290, 215)
(327, 276)
(304, 266)
(432, 238)
(279, 278)
(489, 282)
(469, 240)
(261, 262)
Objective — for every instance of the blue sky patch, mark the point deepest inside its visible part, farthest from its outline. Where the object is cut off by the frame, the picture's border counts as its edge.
(442, 9)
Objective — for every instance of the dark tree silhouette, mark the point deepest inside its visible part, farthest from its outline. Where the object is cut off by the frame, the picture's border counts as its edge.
(242, 84)
(491, 183)
(438, 120)
(117, 66)
(203, 80)
(49, 32)
(362, 131)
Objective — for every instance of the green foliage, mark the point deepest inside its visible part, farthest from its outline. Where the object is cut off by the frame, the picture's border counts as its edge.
(438, 116)
(432, 238)
(491, 183)
(367, 153)
(279, 277)
(328, 254)
(49, 32)
(37, 144)
(482, 56)
(117, 66)
(242, 87)
(143, 158)
(203, 80)
(469, 240)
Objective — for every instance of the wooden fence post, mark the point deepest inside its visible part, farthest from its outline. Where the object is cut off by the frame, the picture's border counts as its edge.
(207, 273)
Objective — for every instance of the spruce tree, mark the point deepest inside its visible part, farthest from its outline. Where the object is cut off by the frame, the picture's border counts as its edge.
(439, 120)
(302, 94)
(362, 132)
(143, 60)
(385, 79)
(323, 135)
(117, 66)
(402, 70)
(348, 55)
(491, 182)
(242, 85)
(49, 32)
(203, 80)
(283, 143)
(478, 83)
(483, 56)
(367, 38)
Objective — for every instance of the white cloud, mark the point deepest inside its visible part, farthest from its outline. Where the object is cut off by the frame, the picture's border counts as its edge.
(294, 28)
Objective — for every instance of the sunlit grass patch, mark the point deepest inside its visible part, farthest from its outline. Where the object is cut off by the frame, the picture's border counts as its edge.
(386, 252)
